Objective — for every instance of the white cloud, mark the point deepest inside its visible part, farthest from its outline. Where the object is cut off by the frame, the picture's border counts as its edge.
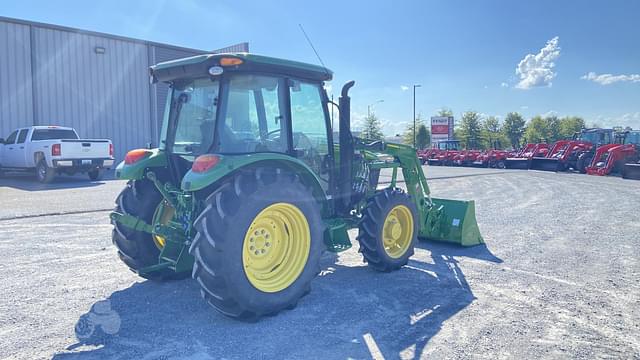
(328, 88)
(537, 70)
(608, 79)
(404, 88)
(631, 119)
(504, 85)
(524, 107)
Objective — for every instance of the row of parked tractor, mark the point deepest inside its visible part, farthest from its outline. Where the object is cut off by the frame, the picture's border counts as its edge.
(593, 151)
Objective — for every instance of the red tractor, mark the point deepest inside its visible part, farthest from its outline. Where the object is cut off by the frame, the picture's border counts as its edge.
(493, 158)
(522, 159)
(612, 157)
(443, 152)
(466, 157)
(573, 154)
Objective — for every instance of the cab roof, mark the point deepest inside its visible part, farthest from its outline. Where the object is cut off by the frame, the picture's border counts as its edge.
(199, 65)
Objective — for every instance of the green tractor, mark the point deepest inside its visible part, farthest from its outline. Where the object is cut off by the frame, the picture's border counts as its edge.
(248, 186)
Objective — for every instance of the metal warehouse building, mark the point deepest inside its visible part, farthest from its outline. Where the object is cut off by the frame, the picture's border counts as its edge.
(97, 83)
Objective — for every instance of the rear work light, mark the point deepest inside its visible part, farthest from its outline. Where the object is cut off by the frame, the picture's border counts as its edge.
(55, 150)
(230, 61)
(134, 155)
(110, 149)
(204, 162)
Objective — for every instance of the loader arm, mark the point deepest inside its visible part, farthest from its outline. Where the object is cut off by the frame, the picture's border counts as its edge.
(440, 219)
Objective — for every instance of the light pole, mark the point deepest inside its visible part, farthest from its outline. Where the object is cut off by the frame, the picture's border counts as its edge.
(370, 105)
(414, 114)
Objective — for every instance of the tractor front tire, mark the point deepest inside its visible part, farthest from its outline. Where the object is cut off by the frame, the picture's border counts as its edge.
(583, 161)
(137, 249)
(388, 230)
(258, 244)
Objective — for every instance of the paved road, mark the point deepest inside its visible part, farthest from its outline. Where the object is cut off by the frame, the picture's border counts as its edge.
(559, 278)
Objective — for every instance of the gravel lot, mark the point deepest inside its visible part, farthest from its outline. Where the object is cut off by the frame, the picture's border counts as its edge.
(558, 278)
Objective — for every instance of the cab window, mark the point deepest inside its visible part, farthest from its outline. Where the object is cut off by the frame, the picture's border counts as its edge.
(23, 136)
(254, 120)
(12, 138)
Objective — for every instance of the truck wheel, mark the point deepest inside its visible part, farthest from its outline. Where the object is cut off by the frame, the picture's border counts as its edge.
(388, 230)
(44, 173)
(258, 244)
(139, 249)
(95, 175)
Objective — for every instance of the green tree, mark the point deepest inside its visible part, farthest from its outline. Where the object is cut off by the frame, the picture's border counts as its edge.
(470, 130)
(492, 131)
(445, 111)
(570, 125)
(372, 129)
(514, 128)
(423, 137)
(553, 124)
(537, 130)
(541, 129)
(408, 136)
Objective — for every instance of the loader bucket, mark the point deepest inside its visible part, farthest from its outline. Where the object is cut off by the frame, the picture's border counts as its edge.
(517, 163)
(452, 221)
(546, 164)
(631, 171)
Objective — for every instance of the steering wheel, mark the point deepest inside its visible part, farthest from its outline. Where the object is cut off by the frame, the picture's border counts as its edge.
(272, 132)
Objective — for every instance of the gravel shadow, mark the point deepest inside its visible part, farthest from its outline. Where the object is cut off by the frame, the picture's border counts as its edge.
(348, 314)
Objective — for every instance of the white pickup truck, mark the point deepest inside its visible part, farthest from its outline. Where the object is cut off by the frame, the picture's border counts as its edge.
(52, 150)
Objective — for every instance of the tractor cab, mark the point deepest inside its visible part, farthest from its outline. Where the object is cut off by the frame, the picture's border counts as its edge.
(632, 137)
(449, 145)
(596, 136)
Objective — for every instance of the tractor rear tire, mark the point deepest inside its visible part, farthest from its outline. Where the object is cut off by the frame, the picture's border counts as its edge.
(388, 230)
(137, 249)
(253, 208)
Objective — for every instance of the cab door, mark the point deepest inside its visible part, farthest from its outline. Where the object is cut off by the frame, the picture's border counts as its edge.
(20, 155)
(9, 151)
(311, 137)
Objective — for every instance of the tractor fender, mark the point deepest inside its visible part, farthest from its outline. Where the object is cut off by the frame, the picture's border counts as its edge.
(230, 164)
(136, 171)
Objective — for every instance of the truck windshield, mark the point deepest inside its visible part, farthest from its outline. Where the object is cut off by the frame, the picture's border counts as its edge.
(191, 118)
(53, 134)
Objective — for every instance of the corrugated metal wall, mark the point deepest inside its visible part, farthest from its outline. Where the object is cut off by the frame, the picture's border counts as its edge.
(101, 95)
(15, 78)
(96, 83)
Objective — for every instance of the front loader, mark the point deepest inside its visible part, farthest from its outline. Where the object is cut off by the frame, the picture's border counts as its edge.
(613, 157)
(248, 187)
(575, 153)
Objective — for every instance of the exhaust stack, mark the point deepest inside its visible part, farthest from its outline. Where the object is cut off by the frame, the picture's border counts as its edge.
(346, 148)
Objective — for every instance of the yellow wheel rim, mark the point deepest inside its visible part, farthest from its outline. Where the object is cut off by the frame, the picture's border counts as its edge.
(276, 247)
(397, 231)
(163, 214)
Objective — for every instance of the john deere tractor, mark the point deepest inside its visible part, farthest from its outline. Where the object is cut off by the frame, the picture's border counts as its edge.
(248, 186)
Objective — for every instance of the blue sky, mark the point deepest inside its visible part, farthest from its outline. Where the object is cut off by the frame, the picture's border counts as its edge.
(585, 55)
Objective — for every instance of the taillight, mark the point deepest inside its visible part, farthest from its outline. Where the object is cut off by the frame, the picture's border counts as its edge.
(110, 149)
(55, 150)
(204, 162)
(135, 155)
